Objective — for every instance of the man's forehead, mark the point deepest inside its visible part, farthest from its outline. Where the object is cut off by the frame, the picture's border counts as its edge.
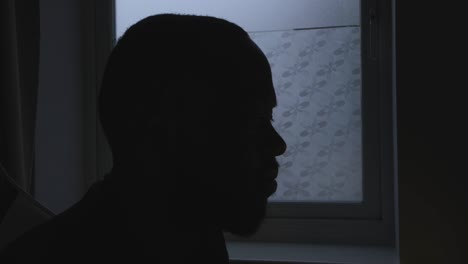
(274, 102)
(259, 73)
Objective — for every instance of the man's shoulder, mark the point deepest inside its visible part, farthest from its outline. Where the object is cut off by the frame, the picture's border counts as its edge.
(90, 226)
(31, 245)
(56, 234)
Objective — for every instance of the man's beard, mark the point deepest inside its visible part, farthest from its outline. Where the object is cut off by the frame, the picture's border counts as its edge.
(235, 199)
(244, 217)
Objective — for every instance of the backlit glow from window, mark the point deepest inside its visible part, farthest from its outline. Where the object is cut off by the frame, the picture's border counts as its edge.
(314, 50)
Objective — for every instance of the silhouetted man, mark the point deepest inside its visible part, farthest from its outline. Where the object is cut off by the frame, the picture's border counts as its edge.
(186, 105)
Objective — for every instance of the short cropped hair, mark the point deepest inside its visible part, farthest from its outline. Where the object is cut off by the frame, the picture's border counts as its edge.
(186, 62)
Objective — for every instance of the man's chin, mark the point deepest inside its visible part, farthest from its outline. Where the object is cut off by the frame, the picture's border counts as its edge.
(247, 224)
(244, 230)
(243, 216)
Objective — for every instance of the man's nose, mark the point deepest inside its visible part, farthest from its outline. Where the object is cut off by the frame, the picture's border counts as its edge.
(280, 144)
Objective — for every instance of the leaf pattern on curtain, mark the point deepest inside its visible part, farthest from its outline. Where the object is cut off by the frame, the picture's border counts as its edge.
(317, 78)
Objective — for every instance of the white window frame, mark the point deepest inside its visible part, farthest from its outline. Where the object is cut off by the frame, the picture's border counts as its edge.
(370, 222)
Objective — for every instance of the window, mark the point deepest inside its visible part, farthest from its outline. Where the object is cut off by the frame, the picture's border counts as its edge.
(331, 64)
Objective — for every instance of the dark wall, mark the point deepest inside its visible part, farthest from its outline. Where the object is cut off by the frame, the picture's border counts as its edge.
(432, 194)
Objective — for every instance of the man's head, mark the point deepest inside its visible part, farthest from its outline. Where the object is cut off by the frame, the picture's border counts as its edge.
(190, 99)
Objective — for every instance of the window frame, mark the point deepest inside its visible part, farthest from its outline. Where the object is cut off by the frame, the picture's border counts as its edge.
(370, 222)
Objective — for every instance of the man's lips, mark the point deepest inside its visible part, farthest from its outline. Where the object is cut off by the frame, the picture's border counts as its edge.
(270, 174)
(272, 187)
(266, 177)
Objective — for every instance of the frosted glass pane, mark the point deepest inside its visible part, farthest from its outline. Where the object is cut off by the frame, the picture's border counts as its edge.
(251, 15)
(317, 77)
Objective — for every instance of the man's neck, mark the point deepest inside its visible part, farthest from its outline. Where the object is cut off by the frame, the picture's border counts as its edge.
(161, 225)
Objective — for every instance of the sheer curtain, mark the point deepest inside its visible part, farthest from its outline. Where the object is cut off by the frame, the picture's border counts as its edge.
(18, 90)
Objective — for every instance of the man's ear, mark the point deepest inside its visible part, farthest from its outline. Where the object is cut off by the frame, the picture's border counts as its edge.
(158, 136)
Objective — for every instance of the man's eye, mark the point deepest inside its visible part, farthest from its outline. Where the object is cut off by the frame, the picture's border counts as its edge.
(265, 120)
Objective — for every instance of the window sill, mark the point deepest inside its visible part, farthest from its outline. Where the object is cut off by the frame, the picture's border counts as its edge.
(255, 252)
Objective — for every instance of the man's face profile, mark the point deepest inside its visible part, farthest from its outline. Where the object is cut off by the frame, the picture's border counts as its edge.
(241, 160)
